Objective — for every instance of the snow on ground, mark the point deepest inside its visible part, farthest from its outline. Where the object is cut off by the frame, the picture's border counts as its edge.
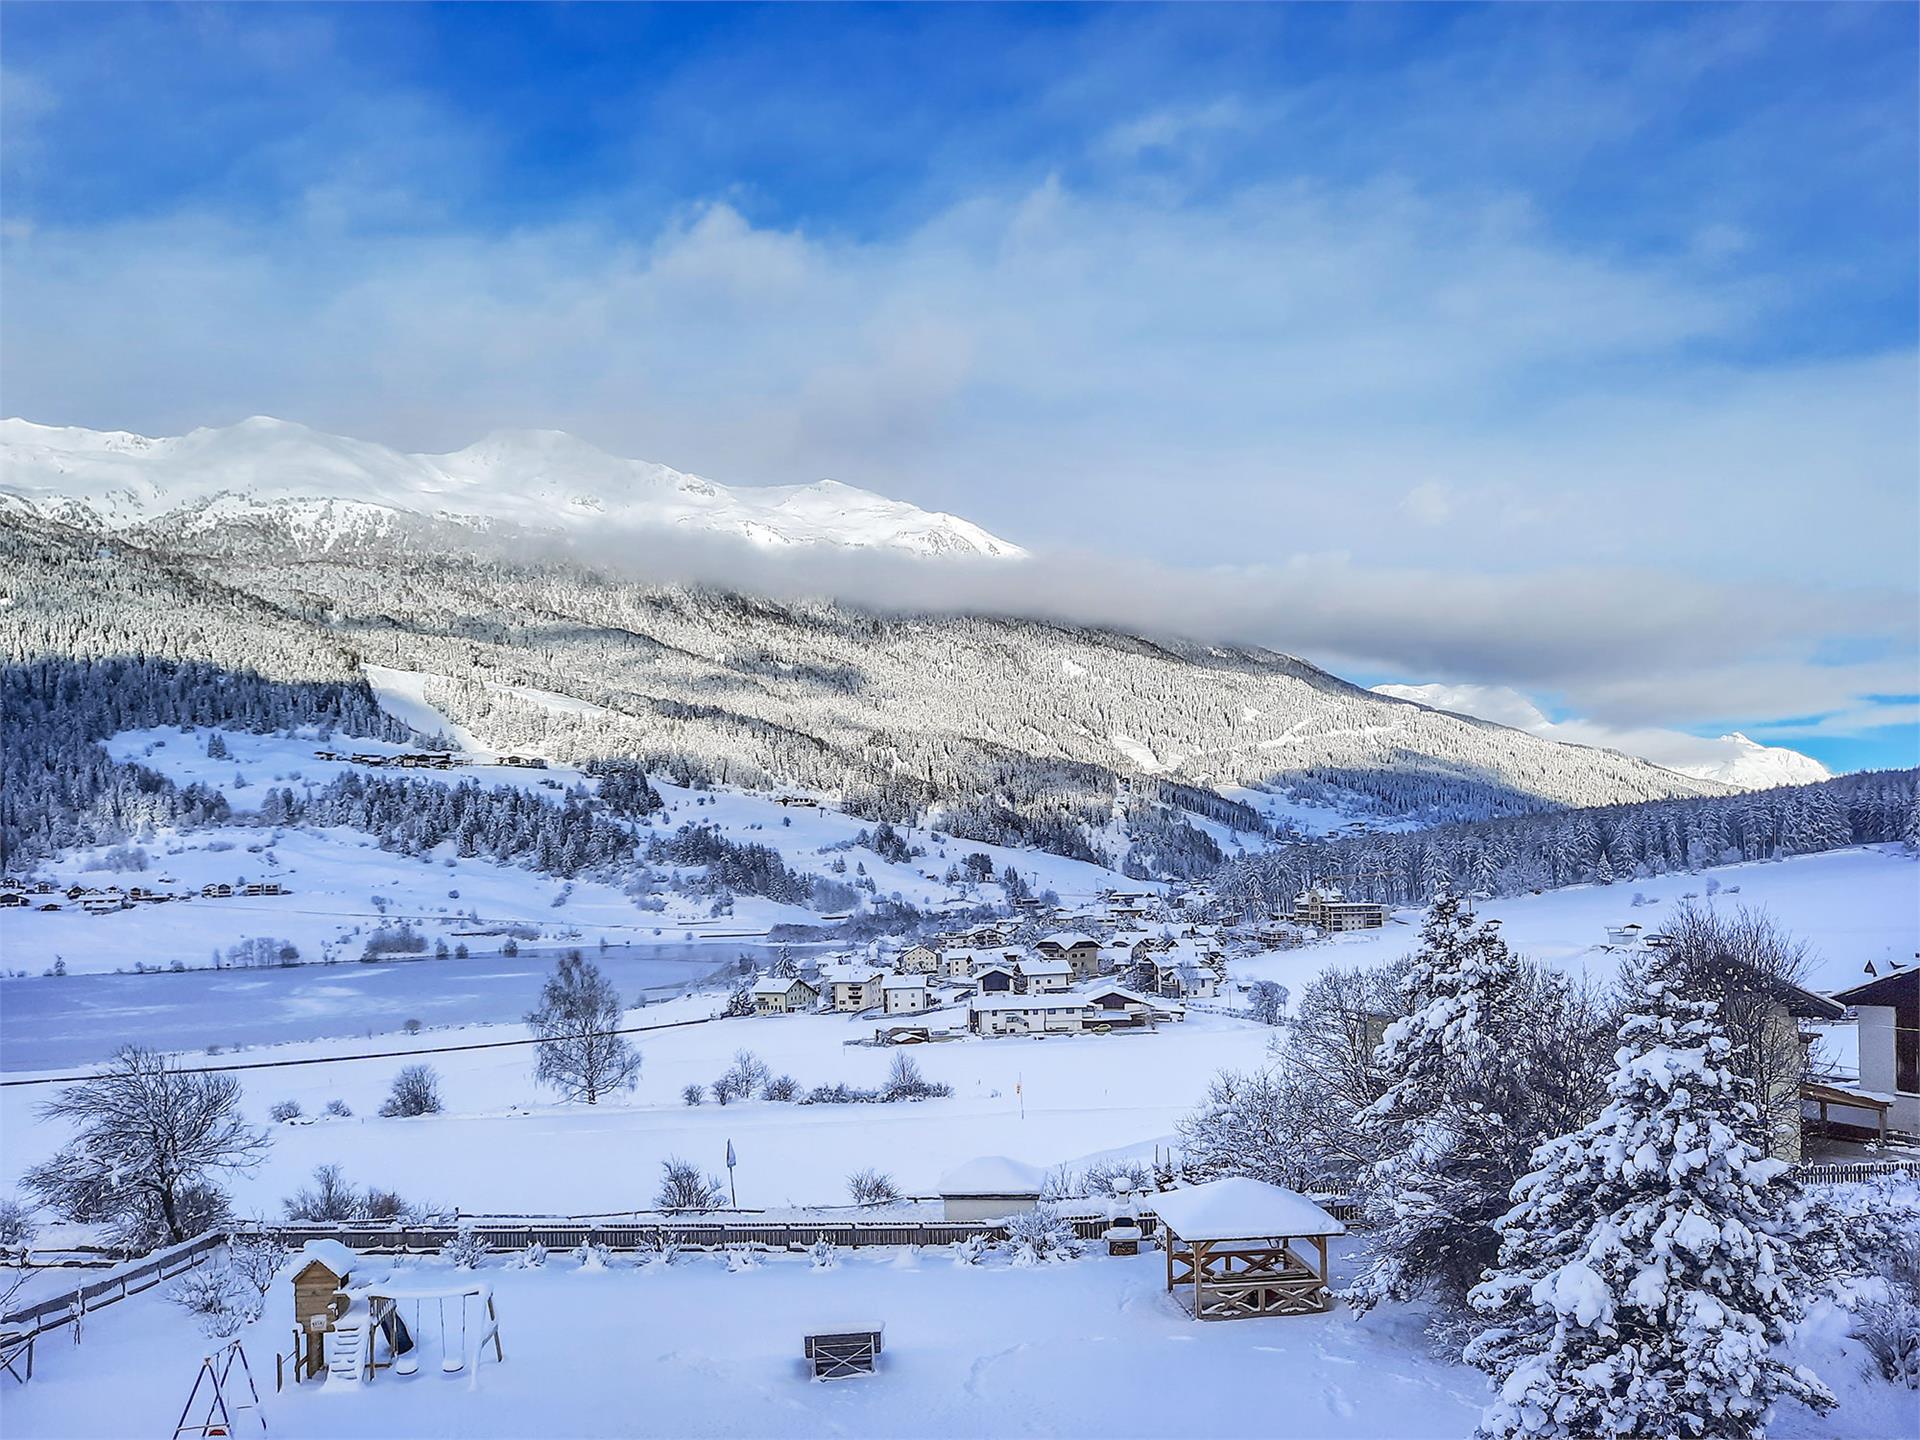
(1091, 1347)
(1849, 906)
(1081, 1096)
(342, 888)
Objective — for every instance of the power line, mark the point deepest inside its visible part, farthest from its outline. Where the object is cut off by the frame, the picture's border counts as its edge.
(370, 1055)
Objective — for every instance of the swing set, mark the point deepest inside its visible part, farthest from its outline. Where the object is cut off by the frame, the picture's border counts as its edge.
(468, 1307)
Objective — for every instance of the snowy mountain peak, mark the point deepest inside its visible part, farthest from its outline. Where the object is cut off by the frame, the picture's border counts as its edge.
(273, 469)
(1729, 760)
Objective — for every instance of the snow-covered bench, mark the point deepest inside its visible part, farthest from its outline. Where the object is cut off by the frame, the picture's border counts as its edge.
(844, 1350)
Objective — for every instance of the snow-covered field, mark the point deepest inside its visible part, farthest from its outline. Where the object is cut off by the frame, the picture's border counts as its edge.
(1849, 906)
(1041, 1101)
(1089, 1347)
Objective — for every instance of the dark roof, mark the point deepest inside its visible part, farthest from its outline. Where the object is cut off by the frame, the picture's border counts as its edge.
(1901, 986)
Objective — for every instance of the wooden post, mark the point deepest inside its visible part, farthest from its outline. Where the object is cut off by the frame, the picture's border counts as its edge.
(1320, 1244)
(1166, 1244)
(1199, 1272)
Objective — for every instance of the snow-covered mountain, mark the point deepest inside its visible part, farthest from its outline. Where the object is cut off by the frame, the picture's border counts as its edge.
(1748, 765)
(328, 489)
(1726, 760)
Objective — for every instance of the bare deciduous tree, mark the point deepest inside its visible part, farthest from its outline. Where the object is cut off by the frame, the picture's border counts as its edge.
(149, 1137)
(579, 1055)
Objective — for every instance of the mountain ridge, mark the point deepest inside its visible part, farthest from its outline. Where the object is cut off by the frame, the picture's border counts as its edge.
(545, 481)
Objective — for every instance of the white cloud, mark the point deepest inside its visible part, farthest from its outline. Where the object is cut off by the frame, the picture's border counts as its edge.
(1733, 759)
(1429, 503)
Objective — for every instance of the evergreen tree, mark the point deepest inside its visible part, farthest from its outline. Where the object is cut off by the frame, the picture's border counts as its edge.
(1644, 1275)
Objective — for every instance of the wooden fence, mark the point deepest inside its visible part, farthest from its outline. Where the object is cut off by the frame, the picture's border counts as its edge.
(19, 1329)
(1853, 1172)
(689, 1232)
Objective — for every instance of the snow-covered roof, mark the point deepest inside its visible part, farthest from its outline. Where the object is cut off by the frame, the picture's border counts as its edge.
(1028, 1002)
(774, 985)
(904, 982)
(1101, 992)
(330, 1253)
(993, 1175)
(1045, 967)
(1067, 939)
(1241, 1209)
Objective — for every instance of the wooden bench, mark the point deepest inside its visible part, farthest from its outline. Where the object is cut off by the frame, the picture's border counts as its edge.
(849, 1350)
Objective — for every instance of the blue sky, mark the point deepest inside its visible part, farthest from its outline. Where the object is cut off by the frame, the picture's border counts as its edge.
(1570, 351)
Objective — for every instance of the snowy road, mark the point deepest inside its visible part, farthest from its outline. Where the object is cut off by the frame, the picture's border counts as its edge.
(78, 1019)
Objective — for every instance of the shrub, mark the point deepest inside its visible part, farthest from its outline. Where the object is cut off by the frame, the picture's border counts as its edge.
(331, 1198)
(416, 1091)
(782, 1088)
(970, 1251)
(592, 1255)
(683, 1186)
(215, 1296)
(465, 1250)
(747, 1074)
(1108, 1178)
(693, 1094)
(872, 1187)
(742, 1257)
(339, 1108)
(255, 1260)
(17, 1226)
(823, 1253)
(1040, 1235)
(905, 1082)
(531, 1258)
(282, 1111)
(1888, 1325)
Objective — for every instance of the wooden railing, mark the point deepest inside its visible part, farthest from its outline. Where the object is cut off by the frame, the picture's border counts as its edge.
(689, 1232)
(1853, 1172)
(19, 1328)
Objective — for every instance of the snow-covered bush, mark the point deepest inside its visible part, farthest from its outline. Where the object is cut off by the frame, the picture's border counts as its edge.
(782, 1088)
(693, 1094)
(1887, 1322)
(1039, 1235)
(531, 1258)
(971, 1250)
(1107, 1178)
(872, 1187)
(905, 1082)
(742, 1257)
(684, 1186)
(747, 1074)
(416, 1091)
(215, 1296)
(592, 1255)
(255, 1260)
(466, 1249)
(339, 1109)
(660, 1247)
(282, 1111)
(17, 1227)
(823, 1253)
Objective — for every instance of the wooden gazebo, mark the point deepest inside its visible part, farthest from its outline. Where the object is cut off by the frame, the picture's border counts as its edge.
(1230, 1244)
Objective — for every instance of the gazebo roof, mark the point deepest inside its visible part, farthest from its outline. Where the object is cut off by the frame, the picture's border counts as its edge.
(1241, 1209)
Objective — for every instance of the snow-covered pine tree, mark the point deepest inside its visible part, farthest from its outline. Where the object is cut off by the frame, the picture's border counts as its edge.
(1443, 1122)
(1644, 1276)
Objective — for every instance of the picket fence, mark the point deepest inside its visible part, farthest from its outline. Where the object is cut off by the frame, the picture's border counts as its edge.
(1853, 1172)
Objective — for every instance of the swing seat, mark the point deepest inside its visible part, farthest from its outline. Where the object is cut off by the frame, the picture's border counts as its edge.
(452, 1365)
(407, 1364)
